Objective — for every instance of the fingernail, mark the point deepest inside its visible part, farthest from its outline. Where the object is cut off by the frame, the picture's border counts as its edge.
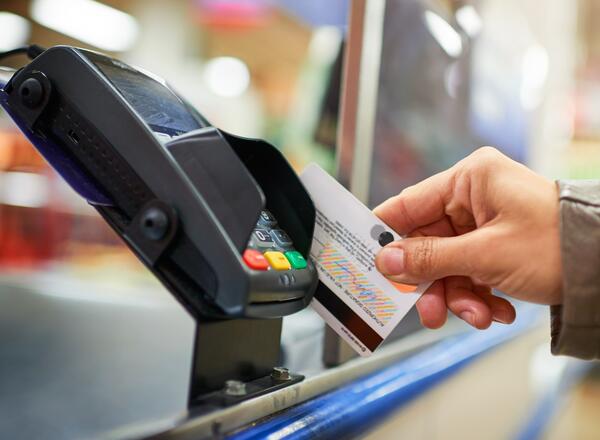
(468, 317)
(391, 261)
(502, 316)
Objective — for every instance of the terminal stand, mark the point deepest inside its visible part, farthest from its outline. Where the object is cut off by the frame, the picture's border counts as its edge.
(235, 360)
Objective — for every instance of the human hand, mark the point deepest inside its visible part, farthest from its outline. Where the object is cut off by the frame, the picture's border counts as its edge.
(487, 222)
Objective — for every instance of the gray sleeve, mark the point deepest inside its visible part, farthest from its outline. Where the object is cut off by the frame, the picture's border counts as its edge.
(576, 323)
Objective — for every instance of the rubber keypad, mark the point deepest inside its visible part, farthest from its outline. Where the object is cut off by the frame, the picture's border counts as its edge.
(270, 247)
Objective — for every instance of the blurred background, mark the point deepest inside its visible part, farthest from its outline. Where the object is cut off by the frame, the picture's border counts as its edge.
(521, 75)
(254, 68)
(467, 74)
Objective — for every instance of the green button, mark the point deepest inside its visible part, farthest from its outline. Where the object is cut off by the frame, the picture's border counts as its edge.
(296, 259)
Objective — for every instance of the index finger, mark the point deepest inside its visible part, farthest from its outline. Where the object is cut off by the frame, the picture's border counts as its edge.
(418, 205)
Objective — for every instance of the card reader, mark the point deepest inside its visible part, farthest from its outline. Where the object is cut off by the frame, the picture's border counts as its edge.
(222, 221)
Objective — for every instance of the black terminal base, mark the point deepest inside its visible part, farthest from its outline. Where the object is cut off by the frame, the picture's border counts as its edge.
(235, 360)
(237, 391)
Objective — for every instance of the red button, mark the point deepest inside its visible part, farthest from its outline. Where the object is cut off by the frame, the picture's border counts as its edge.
(255, 260)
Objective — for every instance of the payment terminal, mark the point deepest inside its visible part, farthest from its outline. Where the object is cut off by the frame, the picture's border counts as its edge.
(222, 221)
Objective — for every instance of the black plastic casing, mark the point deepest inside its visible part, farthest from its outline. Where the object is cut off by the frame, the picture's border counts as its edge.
(211, 184)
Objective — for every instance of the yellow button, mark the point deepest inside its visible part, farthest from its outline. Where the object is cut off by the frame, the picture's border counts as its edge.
(277, 261)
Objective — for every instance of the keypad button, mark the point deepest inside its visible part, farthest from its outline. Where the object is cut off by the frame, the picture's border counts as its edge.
(267, 219)
(281, 238)
(255, 260)
(277, 260)
(296, 259)
(261, 238)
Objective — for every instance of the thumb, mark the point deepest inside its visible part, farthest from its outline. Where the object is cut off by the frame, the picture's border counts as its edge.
(414, 260)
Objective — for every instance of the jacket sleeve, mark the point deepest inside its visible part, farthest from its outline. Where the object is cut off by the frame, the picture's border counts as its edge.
(576, 323)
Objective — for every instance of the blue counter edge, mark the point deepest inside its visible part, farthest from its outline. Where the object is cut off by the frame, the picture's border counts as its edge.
(355, 408)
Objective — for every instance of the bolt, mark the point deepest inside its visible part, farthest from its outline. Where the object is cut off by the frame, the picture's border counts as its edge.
(154, 224)
(31, 92)
(280, 373)
(235, 388)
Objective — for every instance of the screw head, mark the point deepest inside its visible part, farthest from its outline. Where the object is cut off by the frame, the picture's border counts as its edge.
(31, 92)
(154, 224)
(280, 373)
(235, 388)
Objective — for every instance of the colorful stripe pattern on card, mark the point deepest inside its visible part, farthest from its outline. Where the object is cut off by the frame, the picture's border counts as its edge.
(356, 284)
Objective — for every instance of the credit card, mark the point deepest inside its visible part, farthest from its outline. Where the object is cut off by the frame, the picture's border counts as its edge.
(359, 303)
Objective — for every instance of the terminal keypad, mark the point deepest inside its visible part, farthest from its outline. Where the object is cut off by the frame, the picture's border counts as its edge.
(271, 248)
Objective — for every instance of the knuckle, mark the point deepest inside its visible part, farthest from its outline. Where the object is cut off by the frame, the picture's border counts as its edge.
(487, 152)
(407, 190)
(482, 160)
(422, 260)
(487, 156)
(400, 198)
(403, 211)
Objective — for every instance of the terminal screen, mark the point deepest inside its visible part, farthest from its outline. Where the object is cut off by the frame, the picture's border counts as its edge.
(154, 101)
